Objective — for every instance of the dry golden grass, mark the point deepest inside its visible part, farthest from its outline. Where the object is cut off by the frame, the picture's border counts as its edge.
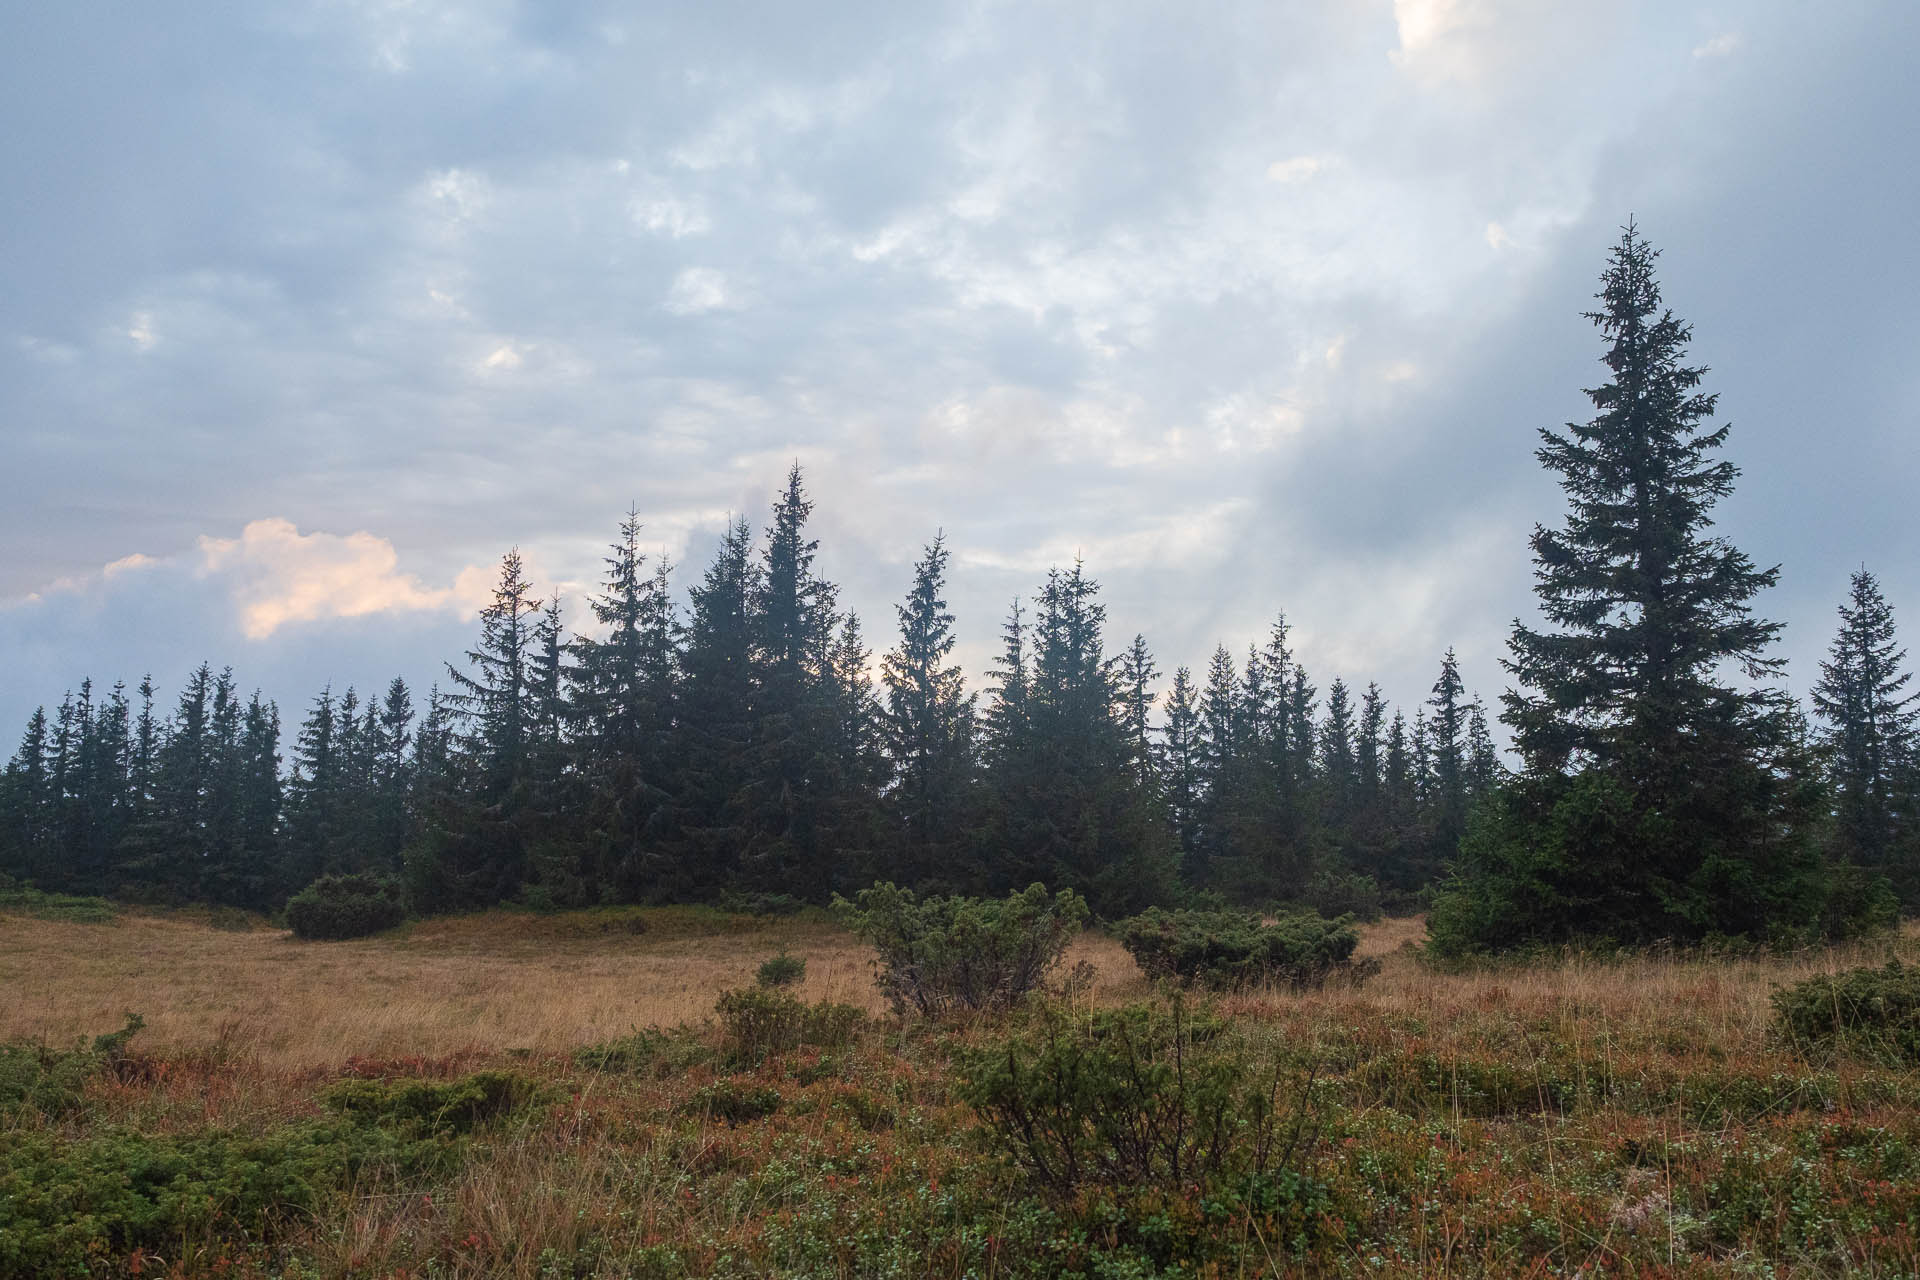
(549, 983)
(243, 1026)
(481, 983)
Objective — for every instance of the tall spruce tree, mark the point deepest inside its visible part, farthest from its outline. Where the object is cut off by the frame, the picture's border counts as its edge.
(1659, 801)
(623, 689)
(1069, 811)
(1869, 736)
(1181, 771)
(928, 727)
(715, 729)
(481, 856)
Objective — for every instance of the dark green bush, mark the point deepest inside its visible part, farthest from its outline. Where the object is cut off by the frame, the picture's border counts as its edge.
(432, 1106)
(68, 1207)
(36, 1078)
(1868, 1010)
(1224, 950)
(760, 904)
(1344, 893)
(23, 899)
(782, 970)
(1142, 1096)
(651, 1052)
(733, 1102)
(940, 953)
(345, 906)
(758, 1023)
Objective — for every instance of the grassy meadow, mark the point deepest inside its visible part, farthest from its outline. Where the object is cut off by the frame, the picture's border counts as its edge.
(480, 1096)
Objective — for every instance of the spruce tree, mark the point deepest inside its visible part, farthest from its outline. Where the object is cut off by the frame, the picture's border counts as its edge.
(481, 858)
(622, 695)
(714, 733)
(1657, 801)
(1447, 757)
(928, 728)
(1069, 811)
(1181, 771)
(1869, 734)
(1135, 676)
(1338, 765)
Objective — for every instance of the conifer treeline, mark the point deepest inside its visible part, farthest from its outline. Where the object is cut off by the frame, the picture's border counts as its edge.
(740, 748)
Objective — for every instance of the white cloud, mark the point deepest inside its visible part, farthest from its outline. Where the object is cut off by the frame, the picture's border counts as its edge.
(141, 330)
(699, 289)
(460, 196)
(503, 357)
(278, 575)
(667, 216)
(1297, 169)
(1720, 46)
(1426, 25)
(1497, 236)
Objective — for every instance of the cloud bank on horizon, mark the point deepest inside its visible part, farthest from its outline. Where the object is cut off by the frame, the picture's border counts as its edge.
(309, 312)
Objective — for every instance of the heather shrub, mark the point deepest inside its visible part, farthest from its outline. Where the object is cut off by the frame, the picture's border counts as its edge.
(1871, 1011)
(781, 970)
(38, 1079)
(651, 1051)
(345, 906)
(940, 953)
(1143, 1096)
(432, 1106)
(757, 1023)
(68, 1206)
(1226, 950)
(733, 1102)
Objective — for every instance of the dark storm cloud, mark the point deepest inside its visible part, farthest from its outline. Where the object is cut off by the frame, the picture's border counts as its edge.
(1255, 307)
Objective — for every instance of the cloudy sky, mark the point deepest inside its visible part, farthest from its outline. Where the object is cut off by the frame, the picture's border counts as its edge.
(309, 311)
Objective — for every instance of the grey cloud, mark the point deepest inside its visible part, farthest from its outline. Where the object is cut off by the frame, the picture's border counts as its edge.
(1251, 302)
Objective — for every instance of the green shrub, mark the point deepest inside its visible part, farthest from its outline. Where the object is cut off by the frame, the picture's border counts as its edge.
(432, 1106)
(68, 1207)
(733, 1102)
(35, 1078)
(758, 1023)
(649, 1052)
(1224, 950)
(345, 906)
(782, 970)
(1868, 1010)
(1136, 1097)
(23, 899)
(760, 904)
(1344, 893)
(936, 954)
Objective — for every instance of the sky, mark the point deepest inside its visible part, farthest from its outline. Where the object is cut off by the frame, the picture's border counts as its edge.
(310, 311)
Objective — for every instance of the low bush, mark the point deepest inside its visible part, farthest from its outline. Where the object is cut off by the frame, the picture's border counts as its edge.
(38, 1079)
(1335, 893)
(652, 1052)
(758, 1023)
(781, 970)
(345, 906)
(1867, 1010)
(23, 899)
(760, 904)
(1137, 1097)
(1225, 950)
(941, 953)
(733, 1102)
(432, 1106)
(68, 1207)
